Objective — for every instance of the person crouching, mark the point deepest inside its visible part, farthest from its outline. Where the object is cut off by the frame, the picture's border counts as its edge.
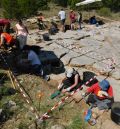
(35, 63)
(7, 40)
(71, 82)
(101, 95)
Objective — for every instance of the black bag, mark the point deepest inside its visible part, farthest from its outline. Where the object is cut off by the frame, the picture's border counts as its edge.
(35, 48)
(53, 31)
(67, 27)
(115, 112)
(46, 37)
(87, 75)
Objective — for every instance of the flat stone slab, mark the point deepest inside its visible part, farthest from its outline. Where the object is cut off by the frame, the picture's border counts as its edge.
(95, 55)
(104, 66)
(116, 74)
(115, 85)
(105, 52)
(82, 61)
(89, 42)
(99, 37)
(55, 46)
(65, 42)
(66, 59)
(60, 52)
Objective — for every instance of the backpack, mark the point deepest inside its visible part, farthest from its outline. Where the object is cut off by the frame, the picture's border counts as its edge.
(46, 37)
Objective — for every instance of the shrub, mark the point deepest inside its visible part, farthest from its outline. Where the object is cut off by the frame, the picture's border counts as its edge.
(22, 8)
(104, 12)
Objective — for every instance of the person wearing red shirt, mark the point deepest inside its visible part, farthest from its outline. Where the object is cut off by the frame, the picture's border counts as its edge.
(7, 40)
(72, 19)
(4, 25)
(41, 23)
(101, 95)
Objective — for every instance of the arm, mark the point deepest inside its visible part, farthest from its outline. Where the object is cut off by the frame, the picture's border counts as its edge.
(16, 31)
(1, 39)
(61, 84)
(72, 86)
(90, 90)
(26, 30)
(110, 93)
(59, 15)
(109, 97)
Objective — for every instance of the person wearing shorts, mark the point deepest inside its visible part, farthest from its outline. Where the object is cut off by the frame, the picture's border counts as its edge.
(62, 16)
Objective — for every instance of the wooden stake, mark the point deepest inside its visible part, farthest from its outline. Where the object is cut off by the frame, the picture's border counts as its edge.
(13, 84)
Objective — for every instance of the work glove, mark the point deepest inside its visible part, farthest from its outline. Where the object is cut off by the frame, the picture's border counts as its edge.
(102, 93)
(68, 89)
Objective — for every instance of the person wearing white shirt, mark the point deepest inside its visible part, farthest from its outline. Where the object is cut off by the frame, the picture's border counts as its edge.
(21, 33)
(62, 16)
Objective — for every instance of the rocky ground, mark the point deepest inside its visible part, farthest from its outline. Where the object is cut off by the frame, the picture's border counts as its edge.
(92, 48)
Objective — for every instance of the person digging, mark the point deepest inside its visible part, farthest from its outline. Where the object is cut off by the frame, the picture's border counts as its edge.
(34, 62)
(70, 83)
(7, 41)
(100, 96)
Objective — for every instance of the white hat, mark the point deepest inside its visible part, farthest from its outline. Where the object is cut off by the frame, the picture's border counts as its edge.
(69, 72)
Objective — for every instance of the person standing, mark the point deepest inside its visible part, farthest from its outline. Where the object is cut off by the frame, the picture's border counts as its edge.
(41, 24)
(62, 16)
(79, 19)
(21, 33)
(72, 19)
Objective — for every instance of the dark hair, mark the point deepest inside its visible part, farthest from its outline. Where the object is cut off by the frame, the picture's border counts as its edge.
(41, 14)
(19, 21)
(80, 13)
(26, 47)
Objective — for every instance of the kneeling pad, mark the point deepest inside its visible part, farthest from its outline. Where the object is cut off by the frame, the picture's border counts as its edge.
(55, 94)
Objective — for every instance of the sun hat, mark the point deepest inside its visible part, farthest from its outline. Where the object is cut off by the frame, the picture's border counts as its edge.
(69, 72)
(104, 85)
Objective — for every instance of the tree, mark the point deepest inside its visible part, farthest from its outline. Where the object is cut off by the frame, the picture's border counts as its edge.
(42, 4)
(11, 8)
(63, 3)
(22, 8)
(114, 5)
(73, 3)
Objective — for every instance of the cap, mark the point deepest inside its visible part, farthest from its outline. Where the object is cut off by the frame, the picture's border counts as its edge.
(104, 84)
(69, 72)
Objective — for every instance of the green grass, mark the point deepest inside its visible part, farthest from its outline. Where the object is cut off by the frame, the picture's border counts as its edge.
(77, 123)
(23, 125)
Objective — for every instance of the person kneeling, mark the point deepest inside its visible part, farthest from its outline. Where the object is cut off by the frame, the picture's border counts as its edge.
(71, 82)
(7, 40)
(101, 95)
(35, 63)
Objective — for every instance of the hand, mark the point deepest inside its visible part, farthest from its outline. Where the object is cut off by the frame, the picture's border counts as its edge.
(60, 85)
(64, 90)
(102, 93)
